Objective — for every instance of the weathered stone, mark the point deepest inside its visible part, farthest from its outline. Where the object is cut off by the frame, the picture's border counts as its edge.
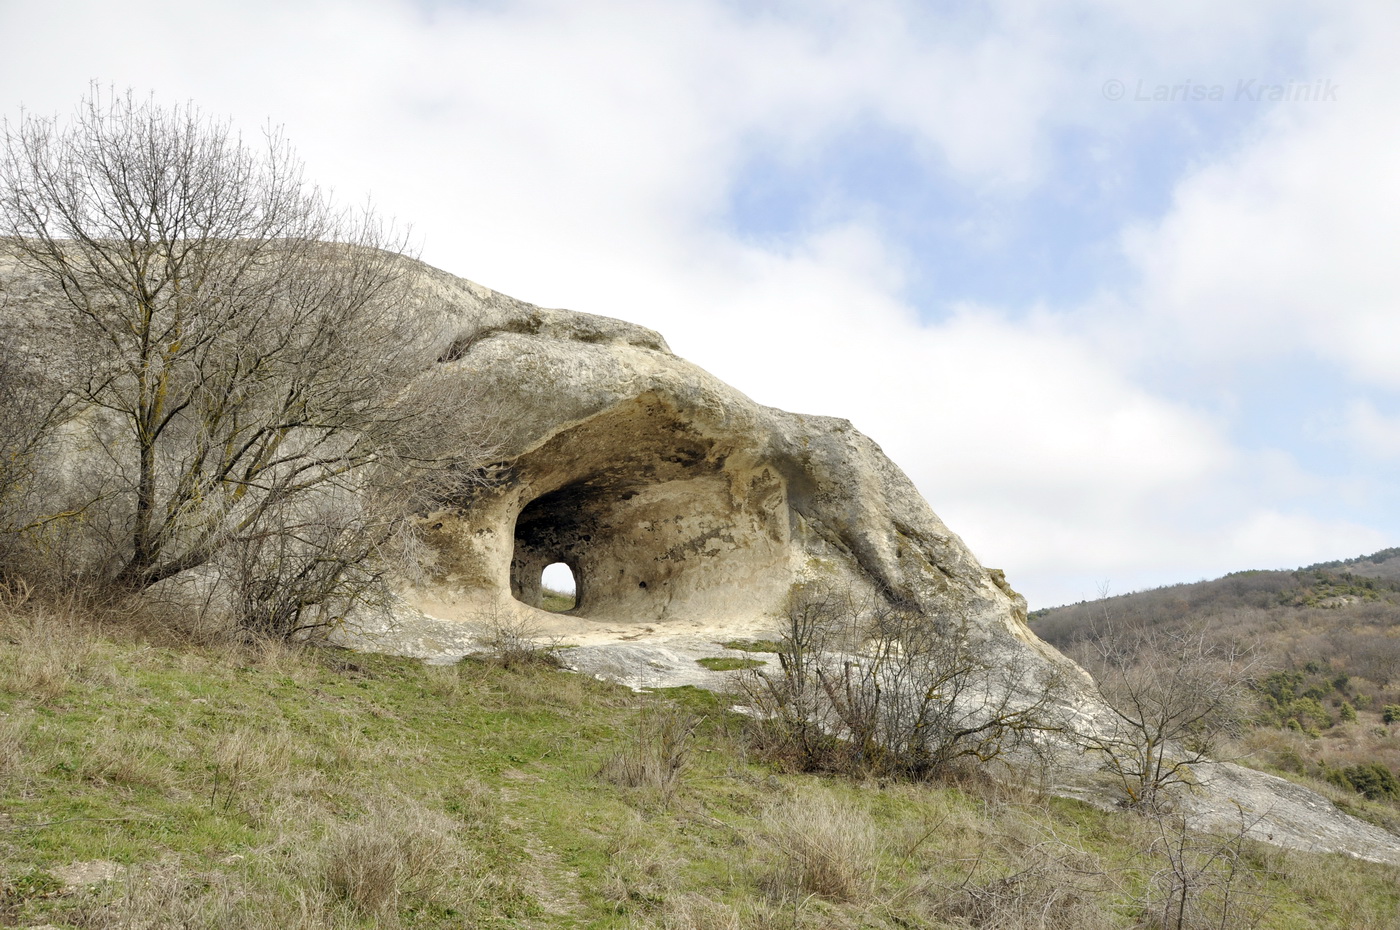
(688, 513)
(673, 498)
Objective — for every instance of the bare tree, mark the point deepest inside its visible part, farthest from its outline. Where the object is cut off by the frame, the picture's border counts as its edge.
(1171, 697)
(874, 687)
(34, 407)
(1201, 880)
(251, 346)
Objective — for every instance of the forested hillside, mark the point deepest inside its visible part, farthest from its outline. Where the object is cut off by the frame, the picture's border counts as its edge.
(1327, 642)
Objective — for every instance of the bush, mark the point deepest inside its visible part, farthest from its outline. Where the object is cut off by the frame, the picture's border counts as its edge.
(1391, 713)
(1372, 779)
(822, 846)
(870, 689)
(1172, 696)
(657, 757)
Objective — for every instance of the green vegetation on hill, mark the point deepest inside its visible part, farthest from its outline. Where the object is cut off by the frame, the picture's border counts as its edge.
(557, 601)
(269, 786)
(1328, 637)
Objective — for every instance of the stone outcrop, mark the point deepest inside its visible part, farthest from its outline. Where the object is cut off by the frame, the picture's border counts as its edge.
(688, 513)
(672, 497)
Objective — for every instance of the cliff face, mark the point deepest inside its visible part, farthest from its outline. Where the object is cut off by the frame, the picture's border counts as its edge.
(672, 497)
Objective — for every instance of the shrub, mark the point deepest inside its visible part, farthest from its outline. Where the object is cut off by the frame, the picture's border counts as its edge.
(822, 846)
(656, 758)
(1164, 689)
(866, 688)
(1391, 713)
(1372, 779)
(512, 640)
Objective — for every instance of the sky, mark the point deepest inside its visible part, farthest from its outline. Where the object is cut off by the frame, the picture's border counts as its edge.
(1115, 283)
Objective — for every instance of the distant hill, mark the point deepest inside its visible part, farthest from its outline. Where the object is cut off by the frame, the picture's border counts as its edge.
(1328, 640)
(1268, 607)
(1384, 564)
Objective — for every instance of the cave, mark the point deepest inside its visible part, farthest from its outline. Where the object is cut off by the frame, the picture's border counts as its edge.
(668, 524)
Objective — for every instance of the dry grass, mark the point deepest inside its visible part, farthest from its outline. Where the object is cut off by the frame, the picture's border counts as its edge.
(127, 757)
(397, 852)
(50, 650)
(820, 845)
(639, 876)
(701, 912)
(655, 758)
(318, 790)
(243, 759)
(1023, 876)
(13, 753)
(166, 897)
(1318, 878)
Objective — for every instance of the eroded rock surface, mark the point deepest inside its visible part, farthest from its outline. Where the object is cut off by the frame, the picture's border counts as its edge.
(688, 513)
(675, 500)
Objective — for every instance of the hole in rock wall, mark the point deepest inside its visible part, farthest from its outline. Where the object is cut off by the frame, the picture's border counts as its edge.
(655, 518)
(652, 551)
(557, 587)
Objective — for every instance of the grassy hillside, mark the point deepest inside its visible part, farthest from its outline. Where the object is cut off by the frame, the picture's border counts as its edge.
(236, 786)
(1328, 640)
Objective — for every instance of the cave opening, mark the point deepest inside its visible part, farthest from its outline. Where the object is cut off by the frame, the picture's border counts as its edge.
(553, 538)
(654, 520)
(558, 589)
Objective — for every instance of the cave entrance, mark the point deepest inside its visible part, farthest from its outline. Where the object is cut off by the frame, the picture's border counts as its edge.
(654, 520)
(558, 589)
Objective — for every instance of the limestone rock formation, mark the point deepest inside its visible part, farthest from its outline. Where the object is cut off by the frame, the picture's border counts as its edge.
(688, 513)
(675, 500)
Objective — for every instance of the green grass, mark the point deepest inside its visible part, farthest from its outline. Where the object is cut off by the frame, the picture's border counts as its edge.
(728, 663)
(557, 601)
(247, 788)
(753, 645)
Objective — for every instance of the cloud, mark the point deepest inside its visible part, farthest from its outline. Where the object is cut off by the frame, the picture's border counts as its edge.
(1286, 244)
(1372, 432)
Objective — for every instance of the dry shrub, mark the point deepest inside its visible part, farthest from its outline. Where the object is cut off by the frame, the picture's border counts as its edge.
(398, 852)
(1201, 881)
(1024, 877)
(48, 650)
(512, 640)
(658, 753)
(638, 877)
(821, 846)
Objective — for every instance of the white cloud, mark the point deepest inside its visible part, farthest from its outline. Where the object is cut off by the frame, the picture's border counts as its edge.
(1287, 244)
(1372, 432)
